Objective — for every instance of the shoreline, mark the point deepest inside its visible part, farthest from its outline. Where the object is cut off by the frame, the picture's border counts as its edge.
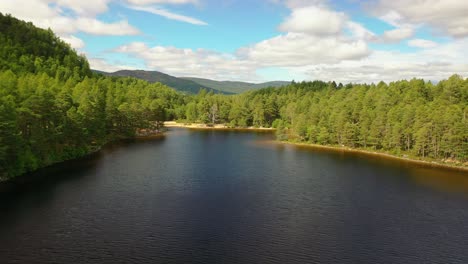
(92, 151)
(198, 126)
(377, 154)
(213, 127)
(380, 154)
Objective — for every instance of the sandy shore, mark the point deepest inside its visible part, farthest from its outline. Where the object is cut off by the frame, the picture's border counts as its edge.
(204, 126)
(461, 167)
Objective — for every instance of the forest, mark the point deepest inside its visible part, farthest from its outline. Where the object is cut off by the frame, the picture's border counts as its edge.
(54, 108)
(413, 118)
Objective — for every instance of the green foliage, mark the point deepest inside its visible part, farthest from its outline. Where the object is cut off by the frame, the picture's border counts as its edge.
(52, 108)
(25, 48)
(412, 117)
(43, 120)
(405, 116)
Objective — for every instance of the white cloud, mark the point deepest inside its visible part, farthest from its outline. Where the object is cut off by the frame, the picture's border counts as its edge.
(36, 9)
(392, 18)
(430, 63)
(74, 42)
(88, 8)
(313, 35)
(314, 20)
(317, 43)
(296, 49)
(167, 14)
(292, 4)
(358, 31)
(448, 16)
(45, 15)
(148, 2)
(422, 43)
(435, 63)
(188, 62)
(396, 35)
(103, 65)
(96, 27)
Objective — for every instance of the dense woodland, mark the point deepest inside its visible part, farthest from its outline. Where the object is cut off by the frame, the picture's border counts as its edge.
(414, 118)
(54, 108)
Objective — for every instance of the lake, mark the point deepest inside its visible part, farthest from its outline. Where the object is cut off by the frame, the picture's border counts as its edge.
(234, 197)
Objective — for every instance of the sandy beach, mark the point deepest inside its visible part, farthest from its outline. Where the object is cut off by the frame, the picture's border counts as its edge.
(215, 126)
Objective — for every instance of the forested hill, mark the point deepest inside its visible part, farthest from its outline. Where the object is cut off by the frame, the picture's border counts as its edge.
(26, 48)
(186, 86)
(52, 108)
(234, 87)
(193, 85)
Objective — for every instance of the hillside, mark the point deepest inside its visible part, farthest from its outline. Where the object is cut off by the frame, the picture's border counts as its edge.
(52, 108)
(234, 87)
(186, 86)
(193, 85)
(26, 48)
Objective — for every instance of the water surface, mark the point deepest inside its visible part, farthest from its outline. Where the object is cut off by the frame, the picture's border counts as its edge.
(232, 197)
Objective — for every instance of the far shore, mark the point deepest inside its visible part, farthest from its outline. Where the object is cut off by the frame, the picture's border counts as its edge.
(160, 134)
(433, 163)
(214, 126)
(462, 167)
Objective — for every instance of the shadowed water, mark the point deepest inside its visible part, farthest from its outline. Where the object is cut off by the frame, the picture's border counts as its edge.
(229, 197)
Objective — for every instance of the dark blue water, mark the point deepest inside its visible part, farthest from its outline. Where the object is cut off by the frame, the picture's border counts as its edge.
(233, 197)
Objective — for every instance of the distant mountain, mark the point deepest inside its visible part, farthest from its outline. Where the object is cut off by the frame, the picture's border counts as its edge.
(182, 85)
(234, 87)
(193, 85)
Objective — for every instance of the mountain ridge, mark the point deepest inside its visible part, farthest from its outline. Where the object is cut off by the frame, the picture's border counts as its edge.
(193, 85)
(235, 86)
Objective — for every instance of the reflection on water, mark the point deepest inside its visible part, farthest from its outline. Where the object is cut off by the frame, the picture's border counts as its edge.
(439, 178)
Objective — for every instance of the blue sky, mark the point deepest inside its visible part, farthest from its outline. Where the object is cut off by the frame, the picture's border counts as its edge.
(263, 40)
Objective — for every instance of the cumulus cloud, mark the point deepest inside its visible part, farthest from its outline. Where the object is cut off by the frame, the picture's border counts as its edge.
(189, 62)
(74, 42)
(396, 35)
(314, 34)
(96, 27)
(88, 8)
(358, 31)
(169, 15)
(315, 21)
(292, 4)
(296, 49)
(447, 17)
(422, 43)
(307, 47)
(103, 65)
(435, 63)
(148, 2)
(52, 14)
(311, 35)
